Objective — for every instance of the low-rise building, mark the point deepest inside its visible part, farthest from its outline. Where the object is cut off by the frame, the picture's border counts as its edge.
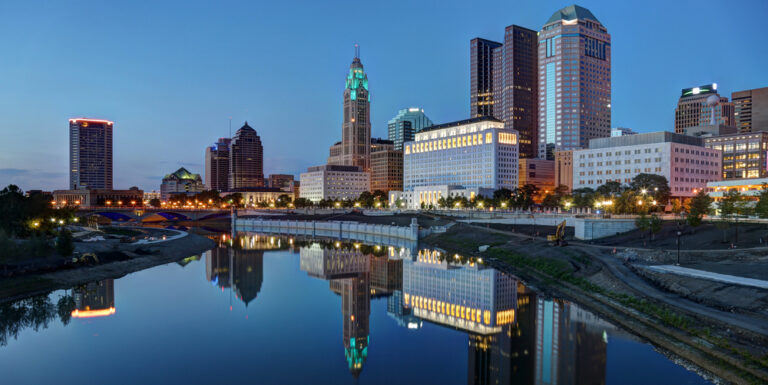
(99, 197)
(744, 155)
(564, 168)
(749, 188)
(181, 182)
(255, 196)
(281, 181)
(683, 160)
(386, 166)
(149, 195)
(424, 196)
(334, 182)
(537, 172)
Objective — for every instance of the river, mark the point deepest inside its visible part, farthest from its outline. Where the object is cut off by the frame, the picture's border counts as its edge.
(270, 310)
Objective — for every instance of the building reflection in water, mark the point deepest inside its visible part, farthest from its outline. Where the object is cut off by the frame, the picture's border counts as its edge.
(94, 299)
(514, 335)
(240, 267)
(551, 342)
(355, 273)
(467, 296)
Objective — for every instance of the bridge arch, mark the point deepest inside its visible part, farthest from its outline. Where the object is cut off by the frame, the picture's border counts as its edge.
(113, 216)
(162, 216)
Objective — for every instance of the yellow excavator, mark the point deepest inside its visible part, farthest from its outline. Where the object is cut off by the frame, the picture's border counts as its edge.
(558, 238)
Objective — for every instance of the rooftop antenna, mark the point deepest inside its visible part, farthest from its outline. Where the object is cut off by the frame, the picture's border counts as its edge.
(230, 127)
(357, 51)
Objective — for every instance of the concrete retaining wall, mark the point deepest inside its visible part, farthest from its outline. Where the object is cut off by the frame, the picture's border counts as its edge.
(584, 228)
(600, 228)
(333, 229)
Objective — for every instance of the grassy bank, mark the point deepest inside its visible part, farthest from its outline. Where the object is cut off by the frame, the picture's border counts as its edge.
(568, 271)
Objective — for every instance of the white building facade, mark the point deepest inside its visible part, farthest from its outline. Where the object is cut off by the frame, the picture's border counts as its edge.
(473, 153)
(683, 160)
(334, 182)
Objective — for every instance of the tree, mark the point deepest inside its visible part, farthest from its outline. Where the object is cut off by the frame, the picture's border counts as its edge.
(583, 197)
(502, 194)
(643, 223)
(728, 206)
(698, 207)
(366, 199)
(556, 198)
(283, 200)
(654, 225)
(154, 202)
(523, 196)
(302, 202)
(654, 185)
(611, 189)
(235, 199)
(761, 207)
(64, 243)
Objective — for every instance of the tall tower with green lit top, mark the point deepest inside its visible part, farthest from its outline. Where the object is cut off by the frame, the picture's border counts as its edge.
(356, 129)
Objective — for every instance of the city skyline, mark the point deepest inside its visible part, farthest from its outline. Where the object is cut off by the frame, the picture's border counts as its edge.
(168, 113)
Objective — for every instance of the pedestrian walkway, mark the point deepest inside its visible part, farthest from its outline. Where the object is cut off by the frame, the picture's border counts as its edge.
(709, 275)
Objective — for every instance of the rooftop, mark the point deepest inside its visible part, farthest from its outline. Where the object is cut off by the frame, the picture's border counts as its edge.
(648, 138)
(572, 12)
(462, 123)
(183, 174)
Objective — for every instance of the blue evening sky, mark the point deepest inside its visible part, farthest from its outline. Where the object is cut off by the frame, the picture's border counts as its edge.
(171, 73)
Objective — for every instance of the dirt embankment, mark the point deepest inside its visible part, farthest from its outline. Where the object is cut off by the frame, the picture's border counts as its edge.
(579, 272)
(724, 296)
(135, 257)
(707, 236)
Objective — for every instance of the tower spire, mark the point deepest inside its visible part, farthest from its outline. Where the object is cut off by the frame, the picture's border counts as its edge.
(357, 51)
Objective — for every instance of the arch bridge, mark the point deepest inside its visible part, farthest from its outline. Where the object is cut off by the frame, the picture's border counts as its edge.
(152, 214)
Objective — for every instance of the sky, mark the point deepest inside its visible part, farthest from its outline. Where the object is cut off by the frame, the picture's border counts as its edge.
(170, 74)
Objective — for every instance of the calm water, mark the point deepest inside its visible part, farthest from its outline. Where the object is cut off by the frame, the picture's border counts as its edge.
(282, 311)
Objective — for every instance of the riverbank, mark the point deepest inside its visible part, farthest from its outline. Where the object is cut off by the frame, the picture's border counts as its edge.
(726, 347)
(114, 260)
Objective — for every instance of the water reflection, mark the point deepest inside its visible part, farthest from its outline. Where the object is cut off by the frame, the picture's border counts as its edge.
(95, 299)
(509, 333)
(513, 334)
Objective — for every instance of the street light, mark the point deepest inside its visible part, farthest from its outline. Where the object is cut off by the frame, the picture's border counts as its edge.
(679, 233)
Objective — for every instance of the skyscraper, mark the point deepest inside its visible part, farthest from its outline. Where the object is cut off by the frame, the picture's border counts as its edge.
(695, 108)
(519, 87)
(90, 153)
(407, 122)
(504, 83)
(217, 165)
(751, 109)
(484, 57)
(246, 160)
(574, 81)
(356, 128)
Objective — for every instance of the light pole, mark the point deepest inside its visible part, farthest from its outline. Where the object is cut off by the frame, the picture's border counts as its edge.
(679, 233)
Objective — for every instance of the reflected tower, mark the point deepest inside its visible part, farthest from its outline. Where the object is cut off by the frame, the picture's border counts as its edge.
(247, 274)
(95, 299)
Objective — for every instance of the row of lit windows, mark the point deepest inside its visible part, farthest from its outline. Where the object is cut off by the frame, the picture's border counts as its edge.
(448, 309)
(449, 143)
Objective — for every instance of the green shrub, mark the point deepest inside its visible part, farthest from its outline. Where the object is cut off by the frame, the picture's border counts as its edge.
(64, 244)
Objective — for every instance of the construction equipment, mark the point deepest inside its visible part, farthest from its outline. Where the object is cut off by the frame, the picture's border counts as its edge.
(558, 238)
